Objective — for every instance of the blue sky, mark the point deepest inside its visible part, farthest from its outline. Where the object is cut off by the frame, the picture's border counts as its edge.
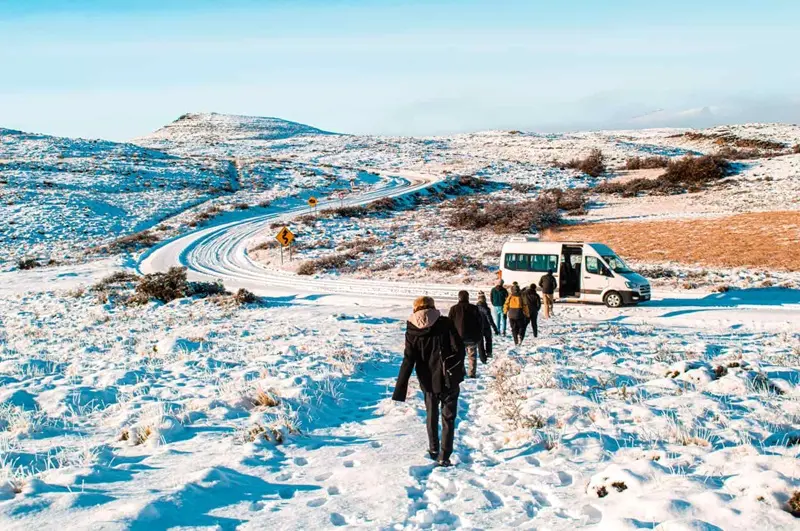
(121, 69)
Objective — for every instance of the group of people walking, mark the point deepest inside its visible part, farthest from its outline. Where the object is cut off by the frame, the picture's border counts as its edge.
(438, 348)
(518, 307)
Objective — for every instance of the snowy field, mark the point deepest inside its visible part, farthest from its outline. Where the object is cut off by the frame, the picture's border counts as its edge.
(278, 415)
(680, 414)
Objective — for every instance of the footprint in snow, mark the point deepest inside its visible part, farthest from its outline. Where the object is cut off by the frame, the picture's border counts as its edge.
(300, 461)
(375, 444)
(494, 500)
(286, 494)
(338, 520)
(323, 477)
(317, 502)
(565, 478)
(345, 453)
(591, 514)
(334, 490)
(286, 476)
(350, 463)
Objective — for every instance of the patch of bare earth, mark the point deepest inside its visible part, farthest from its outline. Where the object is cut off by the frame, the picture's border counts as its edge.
(759, 239)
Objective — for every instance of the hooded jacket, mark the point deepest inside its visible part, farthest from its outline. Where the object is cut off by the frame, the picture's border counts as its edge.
(435, 349)
(467, 320)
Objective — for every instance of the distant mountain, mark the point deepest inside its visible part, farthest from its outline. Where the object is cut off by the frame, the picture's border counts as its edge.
(211, 130)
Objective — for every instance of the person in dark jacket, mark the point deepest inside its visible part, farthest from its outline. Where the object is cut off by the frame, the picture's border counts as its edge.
(517, 313)
(498, 295)
(469, 323)
(435, 349)
(548, 284)
(534, 303)
(488, 326)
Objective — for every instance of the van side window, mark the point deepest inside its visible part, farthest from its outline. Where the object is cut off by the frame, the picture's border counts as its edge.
(593, 265)
(531, 262)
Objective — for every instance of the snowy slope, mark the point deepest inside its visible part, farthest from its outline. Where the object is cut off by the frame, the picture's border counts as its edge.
(61, 196)
(220, 133)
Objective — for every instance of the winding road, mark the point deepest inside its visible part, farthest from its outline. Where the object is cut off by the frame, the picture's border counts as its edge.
(220, 252)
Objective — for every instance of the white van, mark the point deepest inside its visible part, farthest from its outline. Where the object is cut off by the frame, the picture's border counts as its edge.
(586, 272)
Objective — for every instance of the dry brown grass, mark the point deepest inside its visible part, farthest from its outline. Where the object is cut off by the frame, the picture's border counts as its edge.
(759, 239)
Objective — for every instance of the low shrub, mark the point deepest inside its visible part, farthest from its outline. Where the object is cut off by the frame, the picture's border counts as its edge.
(793, 505)
(265, 245)
(118, 278)
(326, 263)
(344, 212)
(241, 206)
(796, 149)
(687, 174)
(732, 153)
(729, 139)
(573, 200)
(455, 264)
(28, 263)
(506, 218)
(133, 242)
(593, 165)
(646, 163)
(244, 296)
(165, 287)
(206, 289)
(360, 245)
(384, 204)
(523, 188)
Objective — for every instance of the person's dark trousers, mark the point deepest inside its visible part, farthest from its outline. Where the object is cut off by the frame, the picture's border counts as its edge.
(485, 348)
(535, 324)
(448, 401)
(518, 327)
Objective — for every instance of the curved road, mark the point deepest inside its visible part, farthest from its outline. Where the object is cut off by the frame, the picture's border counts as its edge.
(220, 252)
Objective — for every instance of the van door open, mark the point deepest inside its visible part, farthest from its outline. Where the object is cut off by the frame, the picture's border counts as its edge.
(569, 272)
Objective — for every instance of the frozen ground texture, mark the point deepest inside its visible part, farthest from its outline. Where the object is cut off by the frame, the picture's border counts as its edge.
(152, 417)
(680, 414)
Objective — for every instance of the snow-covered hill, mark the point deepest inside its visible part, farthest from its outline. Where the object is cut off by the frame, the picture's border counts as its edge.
(220, 133)
(59, 196)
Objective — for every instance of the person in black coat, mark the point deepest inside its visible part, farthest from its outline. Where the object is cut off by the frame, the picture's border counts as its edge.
(435, 349)
(534, 303)
(488, 326)
(469, 323)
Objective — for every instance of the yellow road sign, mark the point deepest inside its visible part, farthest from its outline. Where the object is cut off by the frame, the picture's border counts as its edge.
(285, 237)
(312, 201)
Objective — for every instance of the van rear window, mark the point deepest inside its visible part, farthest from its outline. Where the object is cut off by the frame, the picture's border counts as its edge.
(540, 263)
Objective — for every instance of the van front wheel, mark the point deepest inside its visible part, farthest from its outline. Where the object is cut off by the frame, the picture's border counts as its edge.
(613, 299)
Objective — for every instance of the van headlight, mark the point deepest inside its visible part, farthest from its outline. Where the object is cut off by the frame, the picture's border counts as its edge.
(631, 285)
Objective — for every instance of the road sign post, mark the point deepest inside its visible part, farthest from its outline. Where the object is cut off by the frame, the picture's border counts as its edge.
(285, 238)
(312, 202)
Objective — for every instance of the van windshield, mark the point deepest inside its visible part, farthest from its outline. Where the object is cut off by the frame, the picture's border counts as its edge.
(616, 263)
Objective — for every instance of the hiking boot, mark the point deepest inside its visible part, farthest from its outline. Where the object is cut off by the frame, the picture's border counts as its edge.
(444, 462)
(433, 456)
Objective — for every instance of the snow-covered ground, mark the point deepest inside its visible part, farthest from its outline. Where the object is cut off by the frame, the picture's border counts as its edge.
(678, 414)
(151, 417)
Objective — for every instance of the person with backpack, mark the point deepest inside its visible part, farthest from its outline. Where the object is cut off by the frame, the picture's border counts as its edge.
(469, 323)
(534, 303)
(517, 312)
(548, 284)
(488, 326)
(499, 294)
(434, 348)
